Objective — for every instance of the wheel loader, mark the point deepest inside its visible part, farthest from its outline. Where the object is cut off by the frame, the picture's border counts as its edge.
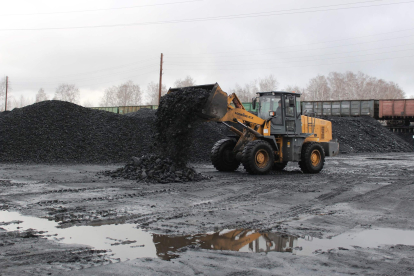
(278, 134)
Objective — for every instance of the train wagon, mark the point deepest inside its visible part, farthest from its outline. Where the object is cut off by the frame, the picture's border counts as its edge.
(352, 108)
(396, 109)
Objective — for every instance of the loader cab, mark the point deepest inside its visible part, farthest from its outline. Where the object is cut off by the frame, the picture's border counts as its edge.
(282, 109)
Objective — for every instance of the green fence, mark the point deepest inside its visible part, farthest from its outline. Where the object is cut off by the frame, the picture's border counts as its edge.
(109, 109)
(130, 109)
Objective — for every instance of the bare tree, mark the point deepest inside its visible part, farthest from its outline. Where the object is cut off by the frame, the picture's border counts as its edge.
(41, 95)
(68, 93)
(188, 81)
(349, 86)
(152, 92)
(318, 89)
(268, 83)
(122, 95)
(87, 103)
(297, 89)
(247, 92)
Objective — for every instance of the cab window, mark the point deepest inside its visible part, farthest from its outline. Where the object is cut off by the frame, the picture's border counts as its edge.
(290, 111)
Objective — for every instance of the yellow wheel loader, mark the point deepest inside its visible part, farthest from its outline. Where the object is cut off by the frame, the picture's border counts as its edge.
(278, 134)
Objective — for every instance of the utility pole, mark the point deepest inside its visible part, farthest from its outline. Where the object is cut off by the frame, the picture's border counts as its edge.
(7, 88)
(159, 92)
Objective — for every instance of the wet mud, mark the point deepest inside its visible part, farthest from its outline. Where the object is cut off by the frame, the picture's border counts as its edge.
(355, 217)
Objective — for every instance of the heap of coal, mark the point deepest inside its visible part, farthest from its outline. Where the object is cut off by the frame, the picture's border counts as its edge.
(155, 168)
(56, 131)
(62, 132)
(365, 134)
(176, 118)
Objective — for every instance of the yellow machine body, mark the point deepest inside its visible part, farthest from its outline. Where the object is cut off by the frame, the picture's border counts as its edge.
(291, 135)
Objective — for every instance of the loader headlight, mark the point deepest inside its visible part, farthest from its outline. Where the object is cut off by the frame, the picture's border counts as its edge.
(271, 113)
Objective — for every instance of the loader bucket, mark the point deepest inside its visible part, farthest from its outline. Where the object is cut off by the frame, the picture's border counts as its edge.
(216, 106)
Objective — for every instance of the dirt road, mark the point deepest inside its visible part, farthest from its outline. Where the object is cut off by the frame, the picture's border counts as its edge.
(346, 220)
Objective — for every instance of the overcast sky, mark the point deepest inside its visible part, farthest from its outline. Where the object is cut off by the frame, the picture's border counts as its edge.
(96, 44)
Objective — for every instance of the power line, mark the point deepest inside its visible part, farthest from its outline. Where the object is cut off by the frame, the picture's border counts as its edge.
(387, 52)
(284, 67)
(94, 84)
(300, 50)
(98, 10)
(95, 78)
(226, 17)
(271, 62)
(176, 54)
(107, 69)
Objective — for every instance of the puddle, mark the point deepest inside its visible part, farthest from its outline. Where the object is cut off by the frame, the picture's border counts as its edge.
(126, 241)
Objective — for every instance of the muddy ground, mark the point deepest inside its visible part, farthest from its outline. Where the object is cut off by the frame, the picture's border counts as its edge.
(353, 193)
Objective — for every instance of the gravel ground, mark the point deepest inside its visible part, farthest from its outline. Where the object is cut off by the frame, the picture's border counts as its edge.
(354, 193)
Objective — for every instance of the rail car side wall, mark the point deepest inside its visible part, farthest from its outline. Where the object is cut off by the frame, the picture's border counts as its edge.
(342, 108)
(396, 109)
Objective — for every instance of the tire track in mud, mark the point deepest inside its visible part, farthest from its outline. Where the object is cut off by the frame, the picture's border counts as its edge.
(239, 201)
(382, 191)
(100, 198)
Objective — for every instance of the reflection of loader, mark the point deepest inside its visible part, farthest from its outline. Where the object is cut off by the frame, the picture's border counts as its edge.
(277, 135)
(233, 240)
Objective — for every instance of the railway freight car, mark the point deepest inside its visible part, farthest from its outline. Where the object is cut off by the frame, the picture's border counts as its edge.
(354, 108)
(397, 111)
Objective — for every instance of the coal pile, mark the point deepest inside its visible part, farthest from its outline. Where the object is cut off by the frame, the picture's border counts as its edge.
(143, 113)
(365, 134)
(407, 136)
(203, 136)
(153, 168)
(176, 118)
(175, 121)
(56, 131)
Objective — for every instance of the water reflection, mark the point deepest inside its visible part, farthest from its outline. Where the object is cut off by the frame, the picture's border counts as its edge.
(127, 242)
(233, 240)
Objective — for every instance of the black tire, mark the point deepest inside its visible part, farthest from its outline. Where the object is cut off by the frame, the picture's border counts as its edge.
(280, 166)
(258, 157)
(222, 155)
(312, 158)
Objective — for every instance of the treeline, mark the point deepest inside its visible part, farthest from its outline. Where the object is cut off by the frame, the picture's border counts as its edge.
(334, 86)
(348, 86)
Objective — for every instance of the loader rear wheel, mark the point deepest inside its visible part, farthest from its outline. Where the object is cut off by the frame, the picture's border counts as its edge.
(258, 157)
(280, 166)
(223, 157)
(313, 158)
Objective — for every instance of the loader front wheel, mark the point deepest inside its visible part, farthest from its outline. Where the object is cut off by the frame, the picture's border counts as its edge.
(313, 158)
(223, 157)
(258, 157)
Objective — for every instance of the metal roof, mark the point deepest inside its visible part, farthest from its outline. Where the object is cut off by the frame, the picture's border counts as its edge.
(279, 92)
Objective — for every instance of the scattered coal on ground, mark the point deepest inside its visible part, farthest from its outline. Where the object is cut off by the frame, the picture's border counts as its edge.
(176, 118)
(155, 168)
(365, 134)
